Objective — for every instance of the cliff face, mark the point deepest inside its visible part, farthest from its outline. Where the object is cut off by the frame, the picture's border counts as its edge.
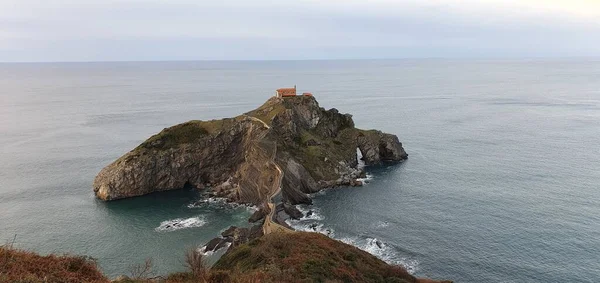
(195, 153)
(238, 158)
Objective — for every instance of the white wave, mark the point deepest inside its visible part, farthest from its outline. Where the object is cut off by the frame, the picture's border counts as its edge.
(209, 253)
(373, 246)
(208, 201)
(411, 265)
(360, 161)
(383, 251)
(226, 246)
(366, 179)
(309, 223)
(319, 193)
(309, 213)
(203, 252)
(304, 226)
(180, 223)
(381, 224)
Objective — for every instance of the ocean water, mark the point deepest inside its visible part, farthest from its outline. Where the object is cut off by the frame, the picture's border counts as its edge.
(502, 182)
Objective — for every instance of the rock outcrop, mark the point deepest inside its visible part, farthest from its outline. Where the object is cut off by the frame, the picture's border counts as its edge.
(233, 158)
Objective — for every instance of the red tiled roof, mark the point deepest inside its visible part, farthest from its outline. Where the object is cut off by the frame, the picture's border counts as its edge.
(287, 91)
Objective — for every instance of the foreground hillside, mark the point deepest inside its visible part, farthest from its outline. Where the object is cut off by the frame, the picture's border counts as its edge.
(307, 257)
(23, 266)
(276, 257)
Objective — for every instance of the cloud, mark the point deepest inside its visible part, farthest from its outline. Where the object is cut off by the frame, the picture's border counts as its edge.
(68, 30)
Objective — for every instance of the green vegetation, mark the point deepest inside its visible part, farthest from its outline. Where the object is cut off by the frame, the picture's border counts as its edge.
(372, 134)
(178, 134)
(187, 132)
(267, 111)
(311, 150)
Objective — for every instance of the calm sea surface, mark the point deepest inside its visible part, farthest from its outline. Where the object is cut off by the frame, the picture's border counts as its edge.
(502, 183)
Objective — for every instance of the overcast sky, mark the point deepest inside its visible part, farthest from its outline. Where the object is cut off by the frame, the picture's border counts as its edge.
(110, 30)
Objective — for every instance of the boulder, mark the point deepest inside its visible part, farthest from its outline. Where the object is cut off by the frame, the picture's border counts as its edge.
(229, 232)
(377, 147)
(292, 211)
(212, 244)
(257, 215)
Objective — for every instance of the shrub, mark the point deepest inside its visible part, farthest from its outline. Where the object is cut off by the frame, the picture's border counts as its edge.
(196, 264)
(141, 271)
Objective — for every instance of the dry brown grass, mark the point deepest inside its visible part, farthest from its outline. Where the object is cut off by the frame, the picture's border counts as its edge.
(306, 257)
(24, 266)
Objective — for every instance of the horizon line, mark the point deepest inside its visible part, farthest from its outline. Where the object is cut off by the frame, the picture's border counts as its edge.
(490, 58)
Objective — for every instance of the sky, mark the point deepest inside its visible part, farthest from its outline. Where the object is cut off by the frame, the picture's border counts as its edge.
(148, 30)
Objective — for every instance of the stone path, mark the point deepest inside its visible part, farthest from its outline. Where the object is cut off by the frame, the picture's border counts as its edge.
(269, 225)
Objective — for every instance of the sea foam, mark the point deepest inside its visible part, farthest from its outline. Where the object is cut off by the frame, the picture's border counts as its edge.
(383, 251)
(180, 223)
(374, 246)
(310, 227)
(313, 211)
(210, 253)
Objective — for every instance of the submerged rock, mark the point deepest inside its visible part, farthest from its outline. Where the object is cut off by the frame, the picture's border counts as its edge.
(309, 213)
(234, 158)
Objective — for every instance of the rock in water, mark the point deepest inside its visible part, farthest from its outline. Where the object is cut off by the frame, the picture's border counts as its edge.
(258, 215)
(229, 232)
(212, 244)
(292, 211)
(235, 158)
(377, 147)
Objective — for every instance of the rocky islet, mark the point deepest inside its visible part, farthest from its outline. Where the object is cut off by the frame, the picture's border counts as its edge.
(315, 148)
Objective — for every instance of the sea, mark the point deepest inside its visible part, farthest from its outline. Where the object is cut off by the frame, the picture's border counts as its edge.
(502, 183)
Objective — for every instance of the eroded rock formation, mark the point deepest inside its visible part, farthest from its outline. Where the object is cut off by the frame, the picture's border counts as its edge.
(233, 158)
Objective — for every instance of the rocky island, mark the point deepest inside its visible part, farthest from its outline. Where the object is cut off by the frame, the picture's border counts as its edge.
(239, 158)
(288, 146)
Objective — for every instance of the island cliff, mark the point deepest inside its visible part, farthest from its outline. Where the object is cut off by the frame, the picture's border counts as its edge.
(238, 158)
